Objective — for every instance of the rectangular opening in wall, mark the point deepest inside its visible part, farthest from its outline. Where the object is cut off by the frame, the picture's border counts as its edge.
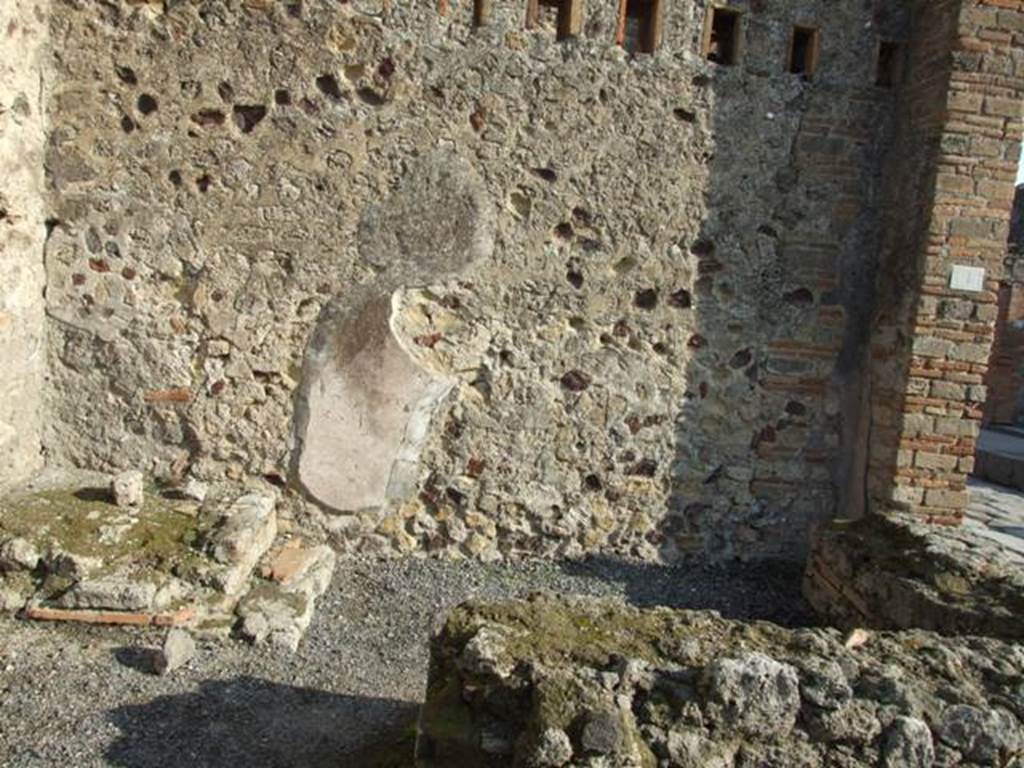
(889, 66)
(482, 12)
(564, 16)
(722, 36)
(803, 52)
(639, 25)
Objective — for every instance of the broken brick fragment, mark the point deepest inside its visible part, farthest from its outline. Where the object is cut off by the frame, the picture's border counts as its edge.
(428, 340)
(169, 395)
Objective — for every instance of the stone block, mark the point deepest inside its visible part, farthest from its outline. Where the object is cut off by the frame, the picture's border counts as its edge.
(559, 681)
(245, 531)
(18, 554)
(280, 611)
(367, 400)
(178, 649)
(936, 461)
(1001, 107)
(949, 390)
(127, 488)
(893, 572)
(938, 497)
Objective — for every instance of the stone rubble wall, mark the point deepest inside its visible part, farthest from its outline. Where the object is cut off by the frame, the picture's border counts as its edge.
(24, 26)
(650, 360)
(550, 682)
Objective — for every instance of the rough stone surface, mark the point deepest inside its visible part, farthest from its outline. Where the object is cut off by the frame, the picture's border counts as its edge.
(294, 564)
(986, 737)
(113, 592)
(195, 490)
(178, 649)
(128, 488)
(554, 749)
(647, 340)
(23, 58)
(660, 687)
(279, 611)
(18, 554)
(753, 695)
(908, 744)
(892, 572)
(244, 534)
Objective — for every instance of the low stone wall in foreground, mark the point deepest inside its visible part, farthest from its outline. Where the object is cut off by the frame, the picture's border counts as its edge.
(892, 572)
(554, 681)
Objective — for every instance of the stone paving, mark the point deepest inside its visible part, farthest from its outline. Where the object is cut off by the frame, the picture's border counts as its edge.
(997, 512)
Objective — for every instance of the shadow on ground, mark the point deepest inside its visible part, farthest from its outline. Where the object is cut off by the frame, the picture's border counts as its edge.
(766, 590)
(250, 722)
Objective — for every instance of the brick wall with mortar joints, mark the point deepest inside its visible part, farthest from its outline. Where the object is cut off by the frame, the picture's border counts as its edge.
(1004, 380)
(933, 423)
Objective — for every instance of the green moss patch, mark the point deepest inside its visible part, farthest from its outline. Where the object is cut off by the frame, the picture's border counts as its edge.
(162, 534)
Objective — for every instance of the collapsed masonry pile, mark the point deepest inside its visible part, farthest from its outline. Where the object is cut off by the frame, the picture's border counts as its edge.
(569, 682)
(890, 571)
(212, 562)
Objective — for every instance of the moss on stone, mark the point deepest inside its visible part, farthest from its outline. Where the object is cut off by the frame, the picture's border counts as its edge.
(550, 634)
(892, 550)
(163, 534)
(557, 671)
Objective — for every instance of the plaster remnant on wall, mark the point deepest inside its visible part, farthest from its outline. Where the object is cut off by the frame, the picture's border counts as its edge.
(368, 396)
(367, 405)
(23, 38)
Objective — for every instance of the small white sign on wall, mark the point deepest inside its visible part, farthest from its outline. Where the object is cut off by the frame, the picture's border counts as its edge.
(967, 278)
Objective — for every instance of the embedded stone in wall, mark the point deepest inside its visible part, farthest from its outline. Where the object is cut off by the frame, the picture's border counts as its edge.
(365, 405)
(557, 681)
(438, 220)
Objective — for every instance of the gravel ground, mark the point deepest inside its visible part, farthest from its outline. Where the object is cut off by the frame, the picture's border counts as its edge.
(75, 696)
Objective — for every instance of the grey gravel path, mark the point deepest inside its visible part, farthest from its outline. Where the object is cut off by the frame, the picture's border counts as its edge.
(73, 696)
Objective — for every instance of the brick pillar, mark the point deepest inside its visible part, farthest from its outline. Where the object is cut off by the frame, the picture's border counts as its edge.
(1004, 380)
(955, 163)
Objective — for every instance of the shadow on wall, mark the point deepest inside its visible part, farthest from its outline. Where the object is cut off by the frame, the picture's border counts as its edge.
(252, 722)
(771, 438)
(903, 339)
